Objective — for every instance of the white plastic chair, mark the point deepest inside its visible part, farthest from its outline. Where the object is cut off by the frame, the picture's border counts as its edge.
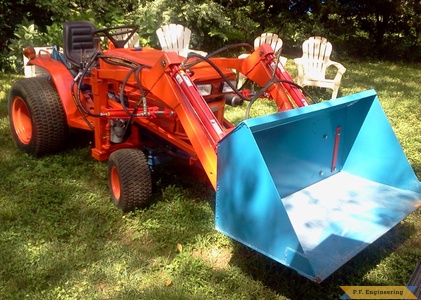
(176, 38)
(313, 64)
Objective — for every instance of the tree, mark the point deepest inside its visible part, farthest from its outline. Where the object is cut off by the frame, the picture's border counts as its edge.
(213, 24)
(381, 28)
(374, 17)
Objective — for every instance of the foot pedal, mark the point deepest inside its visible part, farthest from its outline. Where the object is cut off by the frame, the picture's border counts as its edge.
(415, 280)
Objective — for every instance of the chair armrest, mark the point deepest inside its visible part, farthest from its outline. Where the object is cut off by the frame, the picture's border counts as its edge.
(339, 73)
(339, 66)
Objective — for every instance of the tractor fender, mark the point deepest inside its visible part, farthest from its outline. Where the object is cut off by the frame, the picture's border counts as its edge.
(62, 79)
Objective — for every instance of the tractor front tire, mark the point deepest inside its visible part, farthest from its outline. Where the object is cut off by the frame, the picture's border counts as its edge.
(129, 179)
(37, 118)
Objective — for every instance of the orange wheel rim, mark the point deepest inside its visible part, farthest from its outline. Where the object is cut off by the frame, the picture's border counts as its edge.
(22, 121)
(115, 183)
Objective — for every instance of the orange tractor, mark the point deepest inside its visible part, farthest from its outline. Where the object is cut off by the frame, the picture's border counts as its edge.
(309, 186)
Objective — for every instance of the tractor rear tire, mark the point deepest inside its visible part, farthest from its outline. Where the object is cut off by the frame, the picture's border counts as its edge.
(37, 118)
(129, 179)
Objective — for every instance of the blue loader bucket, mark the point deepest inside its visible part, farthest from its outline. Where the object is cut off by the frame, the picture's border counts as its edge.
(312, 187)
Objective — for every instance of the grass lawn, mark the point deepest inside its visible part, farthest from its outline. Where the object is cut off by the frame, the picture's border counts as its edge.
(62, 238)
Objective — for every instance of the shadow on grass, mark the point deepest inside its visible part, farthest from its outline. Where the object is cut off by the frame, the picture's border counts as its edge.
(78, 139)
(417, 170)
(177, 171)
(288, 283)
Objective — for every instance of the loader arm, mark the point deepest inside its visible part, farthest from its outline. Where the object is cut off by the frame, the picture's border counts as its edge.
(262, 68)
(167, 81)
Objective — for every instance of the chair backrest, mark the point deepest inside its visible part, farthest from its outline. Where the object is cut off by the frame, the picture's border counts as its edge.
(269, 38)
(316, 53)
(132, 42)
(79, 43)
(175, 38)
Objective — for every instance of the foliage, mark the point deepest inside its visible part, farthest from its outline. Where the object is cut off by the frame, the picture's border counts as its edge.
(391, 27)
(103, 12)
(208, 20)
(26, 34)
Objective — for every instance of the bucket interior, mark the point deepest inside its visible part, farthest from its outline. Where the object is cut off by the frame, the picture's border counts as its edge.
(313, 186)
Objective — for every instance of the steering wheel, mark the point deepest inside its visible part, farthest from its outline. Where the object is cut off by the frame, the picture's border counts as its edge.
(118, 35)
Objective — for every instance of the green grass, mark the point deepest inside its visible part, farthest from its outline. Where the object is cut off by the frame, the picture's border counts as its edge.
(61, 237)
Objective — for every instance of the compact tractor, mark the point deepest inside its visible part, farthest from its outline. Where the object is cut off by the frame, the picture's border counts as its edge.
(310, 185)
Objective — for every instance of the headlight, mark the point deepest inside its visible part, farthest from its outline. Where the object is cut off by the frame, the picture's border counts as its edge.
(205, 89)
(226, 88)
